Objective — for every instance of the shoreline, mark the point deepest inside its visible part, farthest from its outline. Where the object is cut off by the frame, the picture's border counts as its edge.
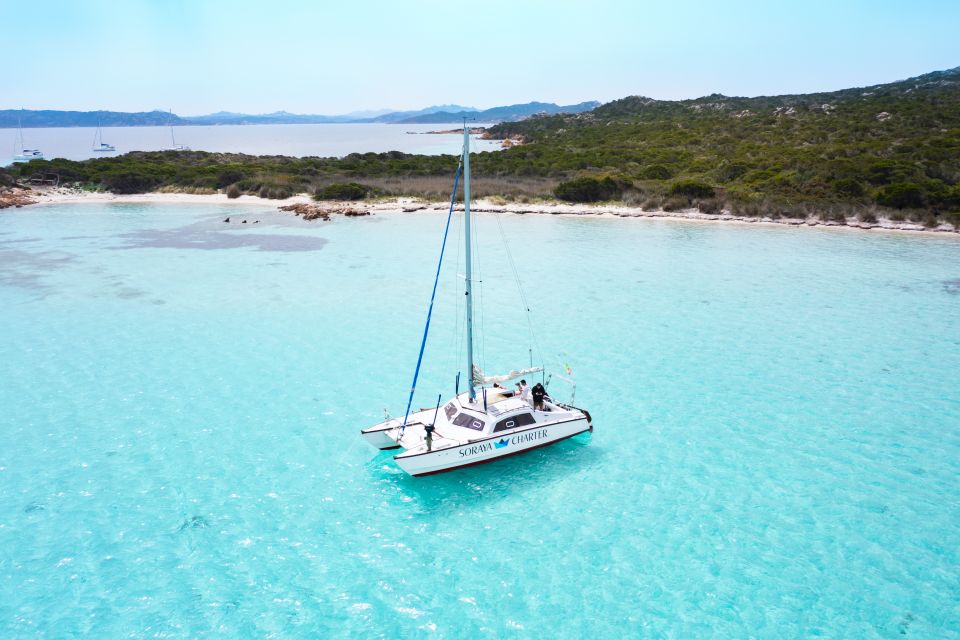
(411, 205)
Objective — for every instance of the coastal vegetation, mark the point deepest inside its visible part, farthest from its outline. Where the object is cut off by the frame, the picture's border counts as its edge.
(893, 146)
(342, 191)
(891, 150)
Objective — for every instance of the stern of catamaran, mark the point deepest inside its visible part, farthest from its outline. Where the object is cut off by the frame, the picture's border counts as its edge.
(391, 433)
(381, 436)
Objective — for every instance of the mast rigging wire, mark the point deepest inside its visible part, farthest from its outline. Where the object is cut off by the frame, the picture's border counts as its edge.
(523, 297)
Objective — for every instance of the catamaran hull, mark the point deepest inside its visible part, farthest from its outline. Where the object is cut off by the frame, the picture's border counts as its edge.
(492, 448)
(381, 438)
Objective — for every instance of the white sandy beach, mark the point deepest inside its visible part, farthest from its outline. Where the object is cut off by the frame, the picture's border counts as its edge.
(40, 196)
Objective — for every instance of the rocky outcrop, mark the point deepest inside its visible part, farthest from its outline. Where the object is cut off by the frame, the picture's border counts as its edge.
(15, 198)
(324, 211)
(308, 211)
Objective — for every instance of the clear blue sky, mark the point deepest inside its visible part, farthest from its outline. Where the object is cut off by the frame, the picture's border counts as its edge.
(199, 56)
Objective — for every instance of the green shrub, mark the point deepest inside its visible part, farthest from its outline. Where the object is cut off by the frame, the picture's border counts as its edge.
(712, 206)
(732, 171)
(952, 200)
(342, 191)
(587, 189)
(758, 176)
(273, 192)
(848, 187)
(901, 195)
(834, 215)
(691, 189)
(655, 172)
(228, 177)
(676, 203)
(651, 204)
(633, 197)
(206, 182)
(883, 172)
(130, 181)
(792, 210)
(747, 209)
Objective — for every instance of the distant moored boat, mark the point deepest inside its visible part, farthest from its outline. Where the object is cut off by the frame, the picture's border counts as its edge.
(21, 154)
(173, 140)
(99, 146)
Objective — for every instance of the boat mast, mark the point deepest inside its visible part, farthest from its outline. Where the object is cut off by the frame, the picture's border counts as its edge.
(469, 261)
(18, 144)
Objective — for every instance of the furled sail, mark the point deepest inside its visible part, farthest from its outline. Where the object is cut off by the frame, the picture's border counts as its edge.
(480, 378)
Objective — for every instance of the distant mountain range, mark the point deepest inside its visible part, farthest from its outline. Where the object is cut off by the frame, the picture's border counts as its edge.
(448, 113)
(510, 113)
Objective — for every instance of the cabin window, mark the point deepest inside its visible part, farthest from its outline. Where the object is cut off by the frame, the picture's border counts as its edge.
(520, 420)
(450, 410)
(467, 421)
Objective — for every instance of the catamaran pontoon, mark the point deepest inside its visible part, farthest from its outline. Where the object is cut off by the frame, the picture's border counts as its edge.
(486, 421)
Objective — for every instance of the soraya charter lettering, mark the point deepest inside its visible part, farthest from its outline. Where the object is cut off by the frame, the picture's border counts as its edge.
(520, 438)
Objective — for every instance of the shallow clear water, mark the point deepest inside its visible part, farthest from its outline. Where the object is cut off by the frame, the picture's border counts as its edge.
(76, 143)
(777, 449)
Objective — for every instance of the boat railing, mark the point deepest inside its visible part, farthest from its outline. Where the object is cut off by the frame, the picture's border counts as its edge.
(570, 407)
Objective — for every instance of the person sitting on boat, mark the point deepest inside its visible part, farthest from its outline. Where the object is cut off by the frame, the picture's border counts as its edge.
(524, 391)
(538, 393)
(502, 390)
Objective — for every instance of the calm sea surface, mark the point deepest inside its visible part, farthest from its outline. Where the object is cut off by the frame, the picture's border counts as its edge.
(76, 143)
(776, 455)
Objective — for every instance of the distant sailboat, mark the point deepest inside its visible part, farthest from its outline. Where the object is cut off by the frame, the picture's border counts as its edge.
(20, 153)
(99, 146)
(173, 140)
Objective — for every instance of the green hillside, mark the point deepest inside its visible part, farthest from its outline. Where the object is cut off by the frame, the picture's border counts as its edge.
(896, 145)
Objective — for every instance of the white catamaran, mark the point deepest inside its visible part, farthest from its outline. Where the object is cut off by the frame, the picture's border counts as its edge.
(21, 154)
(99, 146)
(485, 422)
(173, 139)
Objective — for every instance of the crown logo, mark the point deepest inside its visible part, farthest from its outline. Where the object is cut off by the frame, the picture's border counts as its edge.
(502, 443)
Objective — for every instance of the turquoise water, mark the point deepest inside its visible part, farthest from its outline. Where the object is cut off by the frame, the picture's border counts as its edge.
(777, 452)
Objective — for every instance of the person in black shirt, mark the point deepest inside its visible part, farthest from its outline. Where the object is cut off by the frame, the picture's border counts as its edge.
(538, 393)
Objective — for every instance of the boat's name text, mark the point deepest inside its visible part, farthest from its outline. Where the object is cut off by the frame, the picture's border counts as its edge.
(520, 438)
